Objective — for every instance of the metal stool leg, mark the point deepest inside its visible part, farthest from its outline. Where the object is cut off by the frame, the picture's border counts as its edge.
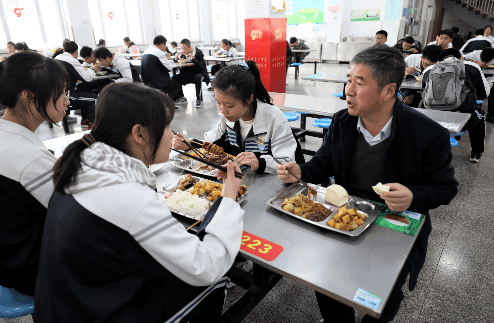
(50, 125)
(65, 125)
(303, 120)
(315, 67)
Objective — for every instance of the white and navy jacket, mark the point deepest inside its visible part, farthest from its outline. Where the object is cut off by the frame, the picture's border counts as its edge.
(26, 186)
(475, 57)
(271, 135)
(122, 66)
(477, 43)
(75, 69)
(155, 67)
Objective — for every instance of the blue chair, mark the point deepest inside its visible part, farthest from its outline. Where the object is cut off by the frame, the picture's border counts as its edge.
(290, 116)
(323, 123)
(479, 102)
(296, 65)
(338, 94)
(14, 304)
(453, 141)
(458, 136)
(303, 118)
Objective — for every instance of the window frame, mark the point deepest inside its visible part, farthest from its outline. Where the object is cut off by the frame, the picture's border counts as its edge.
(227, 2)
(188, 21)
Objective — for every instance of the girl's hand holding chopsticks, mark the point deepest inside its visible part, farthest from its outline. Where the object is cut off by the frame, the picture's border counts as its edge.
(231, 184)
(178, 142)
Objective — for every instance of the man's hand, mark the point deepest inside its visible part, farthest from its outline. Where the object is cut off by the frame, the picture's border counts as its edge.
(399, 197)
(409, 70)
(248, 159)
(285, 176)
(408, 99)
(414, 50)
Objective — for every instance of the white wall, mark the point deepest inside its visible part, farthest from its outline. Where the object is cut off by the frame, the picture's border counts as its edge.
(451, 20)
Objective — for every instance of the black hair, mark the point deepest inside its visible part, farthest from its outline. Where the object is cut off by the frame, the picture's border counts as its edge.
(86, 51)
(11, 43)
(432, 53)
(242, 83)
(227, 42)
(487, 54)
(116, 115)
(57, 52)
(20, 46)
(439, 33)
(186, 42)
(450, 52)
(487, 27)
(70, 47)
(174, 43)
(448, 32)
(101, 42)
(126, 39)
(44, 78)
(409, 40)
(158, 40)
(479, 32)
(293, 40)
(102, 53)
(386, 64)
(455, 30)
(382, 32)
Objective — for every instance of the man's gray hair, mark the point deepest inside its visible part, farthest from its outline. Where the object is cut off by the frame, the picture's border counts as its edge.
(386, 64)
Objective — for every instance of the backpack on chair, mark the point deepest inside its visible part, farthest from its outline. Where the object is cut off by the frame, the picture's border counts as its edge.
(446, 87)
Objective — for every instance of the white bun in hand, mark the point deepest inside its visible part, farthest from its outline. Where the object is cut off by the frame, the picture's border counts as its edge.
(336, 195)
(380, 188)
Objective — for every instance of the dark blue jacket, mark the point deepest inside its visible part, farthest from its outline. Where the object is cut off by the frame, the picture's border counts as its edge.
(153, 72)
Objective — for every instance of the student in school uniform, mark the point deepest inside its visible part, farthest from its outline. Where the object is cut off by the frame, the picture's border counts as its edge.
(112, 251)
(477, 43)
(156, 66)
(174, 48)
(296, 43)
(32, 89)
(228, 49)
(87, 55)
(444, 39)
(101, 43)
(381, 37)
(458, 41)
(21, 47)
(192, 74)
(407, 46)
(130, 46)
(481, 57)
(11, 47)
(80, 99)
(488, 34)
(118, 64)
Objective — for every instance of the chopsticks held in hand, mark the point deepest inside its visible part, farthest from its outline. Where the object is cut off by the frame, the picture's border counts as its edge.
(223, 169)
(296, 177)
(198, 153)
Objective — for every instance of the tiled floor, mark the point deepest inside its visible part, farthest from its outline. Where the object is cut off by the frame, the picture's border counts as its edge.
(456, 283)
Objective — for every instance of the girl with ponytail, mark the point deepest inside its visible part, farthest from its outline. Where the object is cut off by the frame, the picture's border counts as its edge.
(251, 128)
(228, 49)
(32, 90)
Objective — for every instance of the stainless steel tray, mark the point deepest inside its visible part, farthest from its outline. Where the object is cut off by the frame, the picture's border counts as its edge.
(190, 165)
(367, 208)
(170, 186)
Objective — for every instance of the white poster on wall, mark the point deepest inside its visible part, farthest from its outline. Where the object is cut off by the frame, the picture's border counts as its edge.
(333, 17)
(257, 9)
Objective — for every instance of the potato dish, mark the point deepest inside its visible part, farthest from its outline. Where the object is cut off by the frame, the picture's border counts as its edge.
(213, 190)
(347, 219)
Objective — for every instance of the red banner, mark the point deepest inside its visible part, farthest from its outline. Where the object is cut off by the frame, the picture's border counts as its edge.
(260, 247)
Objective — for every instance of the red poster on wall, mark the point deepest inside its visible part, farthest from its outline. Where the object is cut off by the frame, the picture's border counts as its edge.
(265, 43)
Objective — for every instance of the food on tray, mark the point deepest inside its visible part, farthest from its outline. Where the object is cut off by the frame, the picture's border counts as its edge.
(347, 219)
(213, 148)
(185, 181)
(212, 190)
(216, 154)
(303, 206)
(380, 188)
(398, 218)
(187, 203)
(336, 195)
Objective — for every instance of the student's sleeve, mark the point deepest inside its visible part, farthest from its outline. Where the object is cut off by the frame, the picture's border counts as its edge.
(199, 61)
(37, 179)
(196, 261)
(166, 63)
(283, 147)
(217, 133)
(125, 70)
(86, 75)
(464, 47)
(482, 88)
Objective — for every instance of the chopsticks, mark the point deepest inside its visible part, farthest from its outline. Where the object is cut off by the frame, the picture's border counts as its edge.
(194, 224)
(223, 169)
(198, 143)
(296, 177)
(199, 154)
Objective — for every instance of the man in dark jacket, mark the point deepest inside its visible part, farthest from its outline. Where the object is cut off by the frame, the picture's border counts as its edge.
(477, 43)
(299, 44)
(479, 90)
(458, 41)
(192, 74)
(407, 46)
(379, 139)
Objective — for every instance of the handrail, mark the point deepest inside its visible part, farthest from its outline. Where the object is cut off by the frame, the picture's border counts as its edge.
(484, 6)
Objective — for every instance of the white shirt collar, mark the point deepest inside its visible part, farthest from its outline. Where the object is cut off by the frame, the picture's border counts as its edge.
(381, 136)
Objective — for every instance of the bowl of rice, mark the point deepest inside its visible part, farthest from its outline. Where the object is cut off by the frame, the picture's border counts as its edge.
(187, 204)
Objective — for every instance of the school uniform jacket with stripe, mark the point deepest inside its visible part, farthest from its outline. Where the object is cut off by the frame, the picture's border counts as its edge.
(271, 135)
(26, 185)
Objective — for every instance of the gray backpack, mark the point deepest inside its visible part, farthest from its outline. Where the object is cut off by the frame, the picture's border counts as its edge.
(446, 87)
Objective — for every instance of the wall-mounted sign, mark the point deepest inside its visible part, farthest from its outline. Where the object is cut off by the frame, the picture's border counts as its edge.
(366, 15)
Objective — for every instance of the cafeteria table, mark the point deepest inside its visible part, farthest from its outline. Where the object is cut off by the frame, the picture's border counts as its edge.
(223, 59)
(131, 55)
(329, 262)
(107, 76)
(177, 66)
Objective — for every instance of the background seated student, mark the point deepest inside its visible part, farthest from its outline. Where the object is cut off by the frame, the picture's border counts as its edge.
(251, 128)
(192, 74)
(118, 64)
(112, 251)
(227, 48)
(156, 66)
(481, 57)
(101, 43)
(57, 52)
(381, 37)
(444, 39)
(87, 55)
(77, 73)
(130, 46)
(477, 43)
(408, 45)
(20, 47)
(174, 48)
(488, 34)
(479, 90)
(11, 47)
(32, 89)
(379, 139)
(416, 64)
(299, 44)
(458, 41)
(289, 56)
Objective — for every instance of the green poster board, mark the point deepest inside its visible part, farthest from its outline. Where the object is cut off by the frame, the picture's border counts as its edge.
(366, 15)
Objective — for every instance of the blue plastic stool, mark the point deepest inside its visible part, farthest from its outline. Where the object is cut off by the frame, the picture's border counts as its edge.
(453, 141)
(458, 136)
(338, 94)
(479, 102)
(296, 65)
(14, 304)
(323, 123)
(290, 116)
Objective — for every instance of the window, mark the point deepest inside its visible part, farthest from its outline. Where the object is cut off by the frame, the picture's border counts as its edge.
(180, 19)
(115, 19)
(224, 20)
(34, 22)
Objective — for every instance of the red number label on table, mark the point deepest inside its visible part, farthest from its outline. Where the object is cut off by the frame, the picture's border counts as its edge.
(260, 247)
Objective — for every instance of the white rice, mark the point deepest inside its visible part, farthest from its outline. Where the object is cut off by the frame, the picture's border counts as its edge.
(187, 203)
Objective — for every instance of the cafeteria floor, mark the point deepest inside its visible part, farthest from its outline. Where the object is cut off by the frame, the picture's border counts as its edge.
(455, 284)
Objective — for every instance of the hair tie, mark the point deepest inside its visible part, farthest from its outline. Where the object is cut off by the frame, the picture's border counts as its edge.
(88, 139)
(243, 64)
